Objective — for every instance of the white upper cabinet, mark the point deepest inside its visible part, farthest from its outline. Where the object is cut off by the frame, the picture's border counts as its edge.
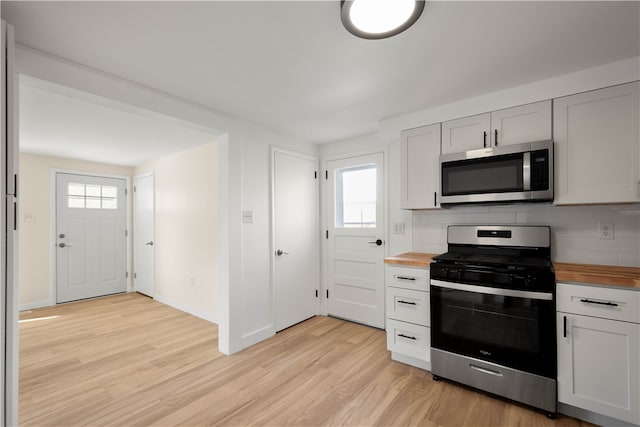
(525, 123)
(517, 125)
(597, 151)
(420, 167)
(467, 133)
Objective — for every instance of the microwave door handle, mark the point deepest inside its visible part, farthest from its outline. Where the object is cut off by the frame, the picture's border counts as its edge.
(526, 171)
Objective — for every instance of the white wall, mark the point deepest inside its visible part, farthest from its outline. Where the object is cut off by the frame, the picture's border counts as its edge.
(574, 229)
(245, 309)
(186, 229)
(35, 246)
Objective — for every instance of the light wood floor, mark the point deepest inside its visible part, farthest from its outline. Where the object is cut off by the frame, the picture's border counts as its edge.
(128, 360)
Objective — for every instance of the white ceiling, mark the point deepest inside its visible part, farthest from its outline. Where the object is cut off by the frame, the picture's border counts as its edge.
(64, 122)
(292, 67)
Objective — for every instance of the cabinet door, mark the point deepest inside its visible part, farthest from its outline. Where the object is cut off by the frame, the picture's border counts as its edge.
(597, 151)
(525, 123)
(467, 133)
(598, 367)
(420, 167)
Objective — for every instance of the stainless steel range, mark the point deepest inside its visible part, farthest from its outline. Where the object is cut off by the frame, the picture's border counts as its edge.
(493, 313)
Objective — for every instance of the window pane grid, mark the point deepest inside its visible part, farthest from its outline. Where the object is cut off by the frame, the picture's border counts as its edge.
(356, 197)
(89, 196)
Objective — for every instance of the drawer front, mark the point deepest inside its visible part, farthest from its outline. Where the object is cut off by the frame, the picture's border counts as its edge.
(409, 339)
(606, 303)
(407, 278)
(408, 305)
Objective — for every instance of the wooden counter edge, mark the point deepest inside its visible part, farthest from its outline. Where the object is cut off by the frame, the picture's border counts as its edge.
(625, 277)
(590, 274)
(411, 259)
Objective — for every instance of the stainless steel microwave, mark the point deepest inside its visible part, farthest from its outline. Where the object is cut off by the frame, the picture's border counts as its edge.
(510, 173)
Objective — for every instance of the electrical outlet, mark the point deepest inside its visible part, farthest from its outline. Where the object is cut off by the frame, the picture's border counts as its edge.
(606, 230)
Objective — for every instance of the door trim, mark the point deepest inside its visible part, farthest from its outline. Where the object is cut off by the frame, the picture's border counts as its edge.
(132, 234)
(324, 215)
(272, 231)
(53, 291)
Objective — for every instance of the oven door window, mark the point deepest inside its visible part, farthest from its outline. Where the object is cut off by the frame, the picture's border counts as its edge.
(510, 331)
(499, 174)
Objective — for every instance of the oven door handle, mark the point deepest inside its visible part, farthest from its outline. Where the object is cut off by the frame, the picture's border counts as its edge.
(545, 296)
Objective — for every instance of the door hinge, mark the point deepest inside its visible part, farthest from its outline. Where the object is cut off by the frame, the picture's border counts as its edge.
(126, 191)
(326, 174)
(327, 234)
(134, 189)
(135, 275)
(127, 274)
(327, 293)
(316, 293)
(126, 233)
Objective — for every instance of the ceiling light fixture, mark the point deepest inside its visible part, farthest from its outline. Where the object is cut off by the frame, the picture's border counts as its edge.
(379, 19)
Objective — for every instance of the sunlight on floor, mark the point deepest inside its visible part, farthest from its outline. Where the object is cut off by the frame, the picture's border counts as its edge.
(37, 318)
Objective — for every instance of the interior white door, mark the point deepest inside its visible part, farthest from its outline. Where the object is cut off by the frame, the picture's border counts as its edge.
(296, 238)
(90, 236)
(144, 235)
(356, 233)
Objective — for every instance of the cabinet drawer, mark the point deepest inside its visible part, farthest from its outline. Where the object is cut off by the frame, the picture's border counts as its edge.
(407, 278)
(606, 303)
(409, 339)
(408, 305)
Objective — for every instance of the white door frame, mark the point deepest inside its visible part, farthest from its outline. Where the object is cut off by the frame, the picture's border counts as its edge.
(53, 219)
(272, 153)
(324, 216)
(132, 276)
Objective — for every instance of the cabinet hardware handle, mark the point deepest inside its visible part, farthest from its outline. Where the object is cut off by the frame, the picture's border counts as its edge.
(564, 327)
(406, 302)
(435, 198)
(408, 337)
(405, 278)
(608, 303)
(496, 139)
(484, 141)
(486, 371)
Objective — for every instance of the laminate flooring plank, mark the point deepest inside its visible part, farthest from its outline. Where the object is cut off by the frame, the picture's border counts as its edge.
(127, 360)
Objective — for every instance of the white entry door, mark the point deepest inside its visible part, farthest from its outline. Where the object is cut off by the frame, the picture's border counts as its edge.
(356, 232)
(144, 235)
(296, 239)
(90, 236)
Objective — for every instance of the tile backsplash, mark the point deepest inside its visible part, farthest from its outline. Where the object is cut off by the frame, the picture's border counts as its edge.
(574, 229)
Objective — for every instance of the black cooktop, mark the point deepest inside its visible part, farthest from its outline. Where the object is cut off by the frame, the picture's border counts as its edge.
(502, 260)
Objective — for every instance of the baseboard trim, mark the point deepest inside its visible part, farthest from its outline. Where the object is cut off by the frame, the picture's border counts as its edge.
(187, 309)
(592, 417)
(408, 360)
(34, 305)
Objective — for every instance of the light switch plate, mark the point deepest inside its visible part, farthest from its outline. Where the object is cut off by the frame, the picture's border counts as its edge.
(398, 228)
(247, 217)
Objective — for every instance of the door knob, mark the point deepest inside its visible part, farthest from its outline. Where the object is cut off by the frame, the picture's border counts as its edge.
(378, 242)
(280, 252)
(149, 243)
(64, 245)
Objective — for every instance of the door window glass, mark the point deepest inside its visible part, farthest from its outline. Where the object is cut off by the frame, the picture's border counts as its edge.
(356, 197)
(92, 196)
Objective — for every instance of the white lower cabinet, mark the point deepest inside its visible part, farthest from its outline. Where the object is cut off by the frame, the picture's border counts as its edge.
(408, 315)
(599, 358)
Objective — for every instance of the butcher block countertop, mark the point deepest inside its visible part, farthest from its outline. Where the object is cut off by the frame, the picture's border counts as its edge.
(625, 277)
(411, 259)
